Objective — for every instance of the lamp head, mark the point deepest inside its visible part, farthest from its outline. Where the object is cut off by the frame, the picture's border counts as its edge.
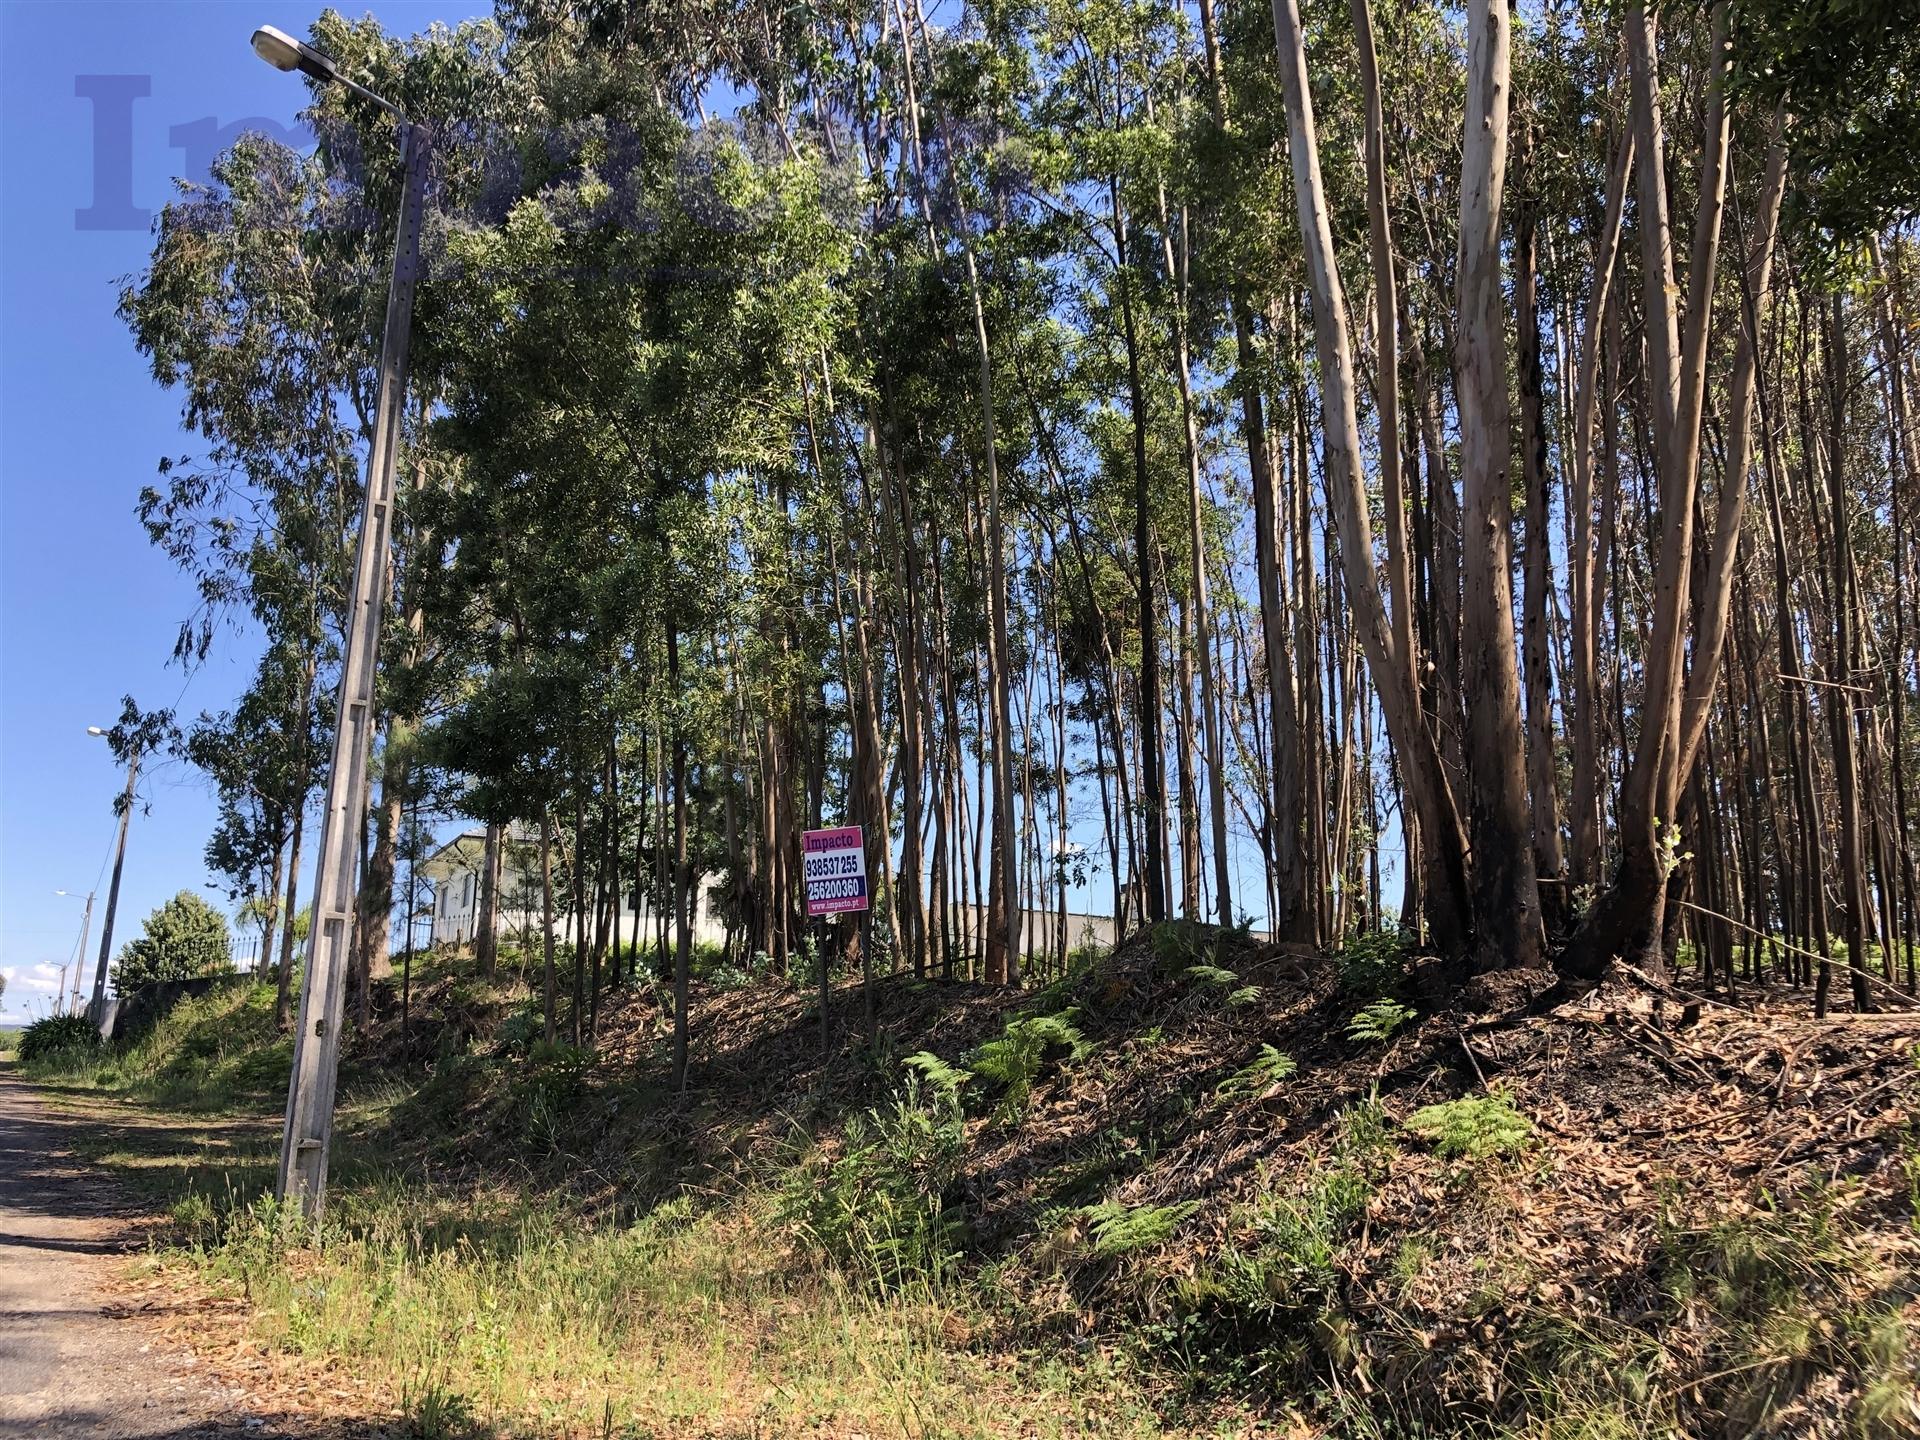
(95, 730)
(283, 52)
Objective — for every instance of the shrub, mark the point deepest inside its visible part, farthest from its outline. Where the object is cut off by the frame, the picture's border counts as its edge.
(1268, 1069)
(1289, 1240)
(943, 1079)
(183, 938)
(1014, 1059)
(57, 1036)
(521, 1030)
(1478, 1127)
(1373, 962)
(552, 1086)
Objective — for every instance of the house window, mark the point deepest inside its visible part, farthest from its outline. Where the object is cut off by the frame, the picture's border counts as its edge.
(469, 899)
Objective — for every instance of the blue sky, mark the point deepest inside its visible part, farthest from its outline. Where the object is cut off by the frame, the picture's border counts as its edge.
(88, 610)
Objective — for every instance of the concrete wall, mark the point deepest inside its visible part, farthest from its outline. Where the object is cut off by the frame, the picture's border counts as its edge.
(456, 910)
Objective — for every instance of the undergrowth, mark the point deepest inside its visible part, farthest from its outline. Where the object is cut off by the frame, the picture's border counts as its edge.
(217, 1051)
(1117, 1209)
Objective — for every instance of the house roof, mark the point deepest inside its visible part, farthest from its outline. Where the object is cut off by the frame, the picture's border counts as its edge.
(460, 854)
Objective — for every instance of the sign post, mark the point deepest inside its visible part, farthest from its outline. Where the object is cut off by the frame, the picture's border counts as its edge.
(833, 863)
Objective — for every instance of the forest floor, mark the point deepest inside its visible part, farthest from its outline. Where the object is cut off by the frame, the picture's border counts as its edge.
(1196, 1188)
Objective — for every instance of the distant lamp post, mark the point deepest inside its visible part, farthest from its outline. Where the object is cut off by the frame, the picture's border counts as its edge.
(79, 955)
(98, 1009)
(308, 1135)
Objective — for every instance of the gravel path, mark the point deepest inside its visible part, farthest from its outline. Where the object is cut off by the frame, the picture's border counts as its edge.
(69, 1364)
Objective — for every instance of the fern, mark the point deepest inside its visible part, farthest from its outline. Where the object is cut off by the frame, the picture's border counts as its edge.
(1378, 1021)
(1119, 1229)
(1013, 1059)
(1246, 995)
(1478, 1127)
(943, 1079)
(1268, 1069)
(1213, 977)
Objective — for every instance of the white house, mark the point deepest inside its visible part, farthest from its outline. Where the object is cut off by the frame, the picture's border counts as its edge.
(454, 870)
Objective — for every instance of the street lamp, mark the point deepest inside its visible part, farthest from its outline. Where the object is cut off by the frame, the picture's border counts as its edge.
(79, 955)
(308, 1134)
(97, 1011)
(283, 52)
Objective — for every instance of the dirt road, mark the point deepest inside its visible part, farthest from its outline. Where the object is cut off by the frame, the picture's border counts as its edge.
(69, 1364)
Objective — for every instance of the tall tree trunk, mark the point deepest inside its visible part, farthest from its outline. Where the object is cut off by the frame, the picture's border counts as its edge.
(1506, 901)
(486, 929)
(1542, 765)
(1629, 919)
(1439, 817)
(548, 998)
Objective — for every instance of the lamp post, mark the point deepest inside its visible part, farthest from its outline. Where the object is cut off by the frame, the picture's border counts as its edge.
(97, 1010)
(308, 1133)
(79, 955)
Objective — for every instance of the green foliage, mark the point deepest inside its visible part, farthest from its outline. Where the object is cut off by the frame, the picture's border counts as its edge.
(57, 1039)
(216, 1051)
(1184, 946)
(1119, 1229)
(1268, 1069)
(1284, 1254)
(1377, 1022)
(432, 1410)
(1213, 977)
(1373, 962)
(879, 1206)
(944, 1080)
(1846, 69)
(1475, 1127)
(185, 937)
(1014, 1059)
(521, 1030)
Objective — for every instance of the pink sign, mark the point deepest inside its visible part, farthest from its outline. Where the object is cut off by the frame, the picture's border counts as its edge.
(834, 866)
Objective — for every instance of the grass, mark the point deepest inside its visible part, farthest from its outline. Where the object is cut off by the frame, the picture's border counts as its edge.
(215, 1052)
(493, 1307)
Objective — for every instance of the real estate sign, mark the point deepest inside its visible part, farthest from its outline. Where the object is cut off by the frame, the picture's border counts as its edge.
(834, 865)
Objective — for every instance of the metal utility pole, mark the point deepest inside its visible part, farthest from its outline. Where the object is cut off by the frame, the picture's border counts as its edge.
(80, 953)
(97, 1010)
(308, 1134)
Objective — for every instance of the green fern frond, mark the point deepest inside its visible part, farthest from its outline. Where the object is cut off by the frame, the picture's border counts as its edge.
(1119, 1229)
(945, 1080)
(1378, 1021)
(1268, 1069)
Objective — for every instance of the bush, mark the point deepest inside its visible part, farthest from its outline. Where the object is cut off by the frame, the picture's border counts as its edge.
(1013, 1060)
(183, 938)
(1269, 1068)
(57, 1035)
(1119, 1229)
(1284, 1257)
(1378, 1021)
(1373, 962)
